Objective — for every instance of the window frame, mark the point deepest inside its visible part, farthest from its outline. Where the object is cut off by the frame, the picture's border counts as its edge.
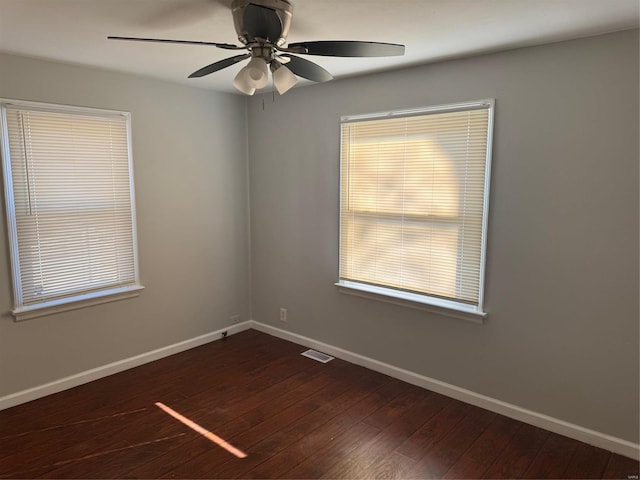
(423, 301)
(82, 298)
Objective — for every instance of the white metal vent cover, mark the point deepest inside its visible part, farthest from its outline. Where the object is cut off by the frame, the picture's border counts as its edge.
(319, 356)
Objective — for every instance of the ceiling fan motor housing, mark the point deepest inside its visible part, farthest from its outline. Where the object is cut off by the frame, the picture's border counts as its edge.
(262, 21)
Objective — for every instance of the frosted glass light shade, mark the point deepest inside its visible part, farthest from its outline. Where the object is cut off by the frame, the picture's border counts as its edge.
(254, 75)
(257, 72)
(242, 83)
(283, 79)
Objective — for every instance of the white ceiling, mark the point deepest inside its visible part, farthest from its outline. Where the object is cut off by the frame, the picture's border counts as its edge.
(75, 31)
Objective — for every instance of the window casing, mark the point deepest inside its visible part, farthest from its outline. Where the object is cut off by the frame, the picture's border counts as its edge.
(69, 196)
(414, 200)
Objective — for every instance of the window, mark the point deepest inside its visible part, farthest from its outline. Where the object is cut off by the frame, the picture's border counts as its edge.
(70, 206)
(413, 215)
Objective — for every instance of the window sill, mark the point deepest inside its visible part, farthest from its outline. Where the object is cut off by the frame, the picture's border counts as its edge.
(72, 303)
(447, 308)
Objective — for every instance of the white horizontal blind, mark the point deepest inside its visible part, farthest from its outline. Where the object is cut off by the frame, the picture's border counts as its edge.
(413, 202)
(72, 195)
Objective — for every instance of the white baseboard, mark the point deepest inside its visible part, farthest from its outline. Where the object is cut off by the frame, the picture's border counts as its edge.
(597, 439)
(115, 367)
(601, 440)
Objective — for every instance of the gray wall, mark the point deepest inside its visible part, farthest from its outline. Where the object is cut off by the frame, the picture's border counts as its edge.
(562, 273)
(190, 168)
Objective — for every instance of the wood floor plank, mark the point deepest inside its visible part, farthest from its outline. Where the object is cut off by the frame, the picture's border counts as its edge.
(343, 446)
(72, 446)
(44, 437)
(622, 468)
(235, 419)
(516, 457)
(434, 429)
(94, 399)
(242, 386)
(553, 457)
(388, 413)
(34, 463)
(420, 414)
(417, 408)
(447, 451)
(73, 441)
(321, 451)
(485, 449)
(255, 362)
(253, 429)
(112, 462)
(587, 462)
(394, 466)
(355, 390)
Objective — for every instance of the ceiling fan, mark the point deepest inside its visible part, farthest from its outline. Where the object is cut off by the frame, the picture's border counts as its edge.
(262, 27)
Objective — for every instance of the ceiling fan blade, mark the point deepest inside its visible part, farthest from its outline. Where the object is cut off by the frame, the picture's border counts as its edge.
(214, 67)
(340, 48)
(306, 69)
(262, 22)
(226, 46)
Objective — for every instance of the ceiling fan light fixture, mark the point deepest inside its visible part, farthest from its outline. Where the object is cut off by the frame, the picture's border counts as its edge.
(257, 73)
(283, 78)
(242, 83)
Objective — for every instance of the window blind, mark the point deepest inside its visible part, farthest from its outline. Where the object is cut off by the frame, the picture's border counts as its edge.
(413, 190)
(72, 203)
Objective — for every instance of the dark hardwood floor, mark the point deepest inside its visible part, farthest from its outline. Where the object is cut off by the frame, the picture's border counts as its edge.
(293, 417)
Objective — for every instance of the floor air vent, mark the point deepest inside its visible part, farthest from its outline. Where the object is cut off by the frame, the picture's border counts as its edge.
(320, 357)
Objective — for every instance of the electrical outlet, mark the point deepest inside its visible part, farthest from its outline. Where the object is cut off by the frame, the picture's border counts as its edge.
(234, 318)
(283, 314)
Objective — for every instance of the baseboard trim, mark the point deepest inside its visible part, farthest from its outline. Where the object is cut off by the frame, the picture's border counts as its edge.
(591, 437)
(115, 367)
(601, 440)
